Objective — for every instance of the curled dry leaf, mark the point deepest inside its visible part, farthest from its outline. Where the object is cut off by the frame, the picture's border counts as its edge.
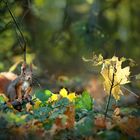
(117, 111)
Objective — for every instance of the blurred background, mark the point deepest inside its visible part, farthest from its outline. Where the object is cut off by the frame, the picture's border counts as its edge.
(60, 32)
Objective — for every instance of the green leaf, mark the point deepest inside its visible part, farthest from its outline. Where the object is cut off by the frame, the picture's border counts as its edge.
(42, 113)
(59, 107)
(2, 100)
(109, 135)
(80, 114)
(84, 127)
(48, 125)
(61, 102)
(3, 122)
(15, 119)
(43, 95)
(57, 112)
(84, 102)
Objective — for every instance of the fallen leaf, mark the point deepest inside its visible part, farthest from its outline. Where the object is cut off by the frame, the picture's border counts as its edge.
(100, 122)
(129, 125)
(69, 119)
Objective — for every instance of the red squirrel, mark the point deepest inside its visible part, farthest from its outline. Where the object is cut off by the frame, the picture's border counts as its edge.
(17, 87)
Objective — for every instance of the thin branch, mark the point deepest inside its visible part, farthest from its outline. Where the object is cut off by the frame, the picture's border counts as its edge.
(14, 19)
(130, 91)
(110, 92)
(117, 84)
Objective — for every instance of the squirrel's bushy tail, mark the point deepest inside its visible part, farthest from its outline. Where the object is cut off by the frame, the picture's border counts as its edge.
(5, 79)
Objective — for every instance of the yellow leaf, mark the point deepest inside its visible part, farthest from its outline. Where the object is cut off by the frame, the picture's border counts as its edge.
(63, 92)
(114, 76)
(37, 104)
(54, 97)
(71, 96)
(122, 75)
(116, 92)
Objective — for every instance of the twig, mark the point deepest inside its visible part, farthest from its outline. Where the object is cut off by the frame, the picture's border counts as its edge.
(130, 91)
(14, 19)
(110, 92)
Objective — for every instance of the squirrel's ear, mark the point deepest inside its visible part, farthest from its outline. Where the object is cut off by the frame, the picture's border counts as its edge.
(23, 67)
(31, 67)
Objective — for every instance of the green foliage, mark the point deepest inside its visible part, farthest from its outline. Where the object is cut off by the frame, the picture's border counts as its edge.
(43, 95)
(11, 120)
(84, 127)
(59, 108)
(110, 135)
(84, 101)
(2, 100)
(2, 25)
(49, 116)
(62, 102)
(65, 30)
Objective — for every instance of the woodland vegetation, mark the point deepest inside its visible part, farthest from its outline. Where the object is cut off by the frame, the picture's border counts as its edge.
(83, 56)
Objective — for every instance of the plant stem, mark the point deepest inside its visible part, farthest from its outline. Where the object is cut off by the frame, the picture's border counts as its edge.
(110, 92)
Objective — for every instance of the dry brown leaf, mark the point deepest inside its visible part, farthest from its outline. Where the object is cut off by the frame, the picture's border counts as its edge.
(28, 107)
(129, 125)
(70, 119)
(100, 122)
(117, 111)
